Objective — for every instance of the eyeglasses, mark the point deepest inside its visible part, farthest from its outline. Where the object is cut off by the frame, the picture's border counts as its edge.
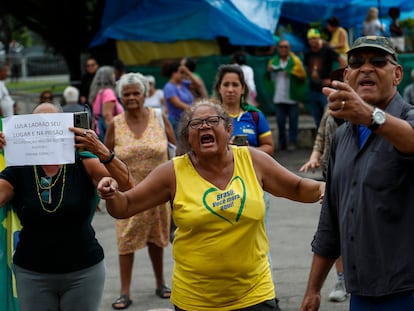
(210, 121)
(283, 46)
(376, 61)
(45, 183)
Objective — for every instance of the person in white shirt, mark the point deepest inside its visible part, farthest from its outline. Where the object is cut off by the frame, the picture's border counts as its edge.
(372, 25)
(155, 98)
(239, 58)
(7, 104)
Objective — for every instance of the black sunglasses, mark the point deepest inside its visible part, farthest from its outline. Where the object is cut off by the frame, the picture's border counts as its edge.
(376, 61)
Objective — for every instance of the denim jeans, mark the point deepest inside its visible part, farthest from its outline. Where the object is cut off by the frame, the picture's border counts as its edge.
(174, 123)
(318, 103)
(401, 301)
(282, 112)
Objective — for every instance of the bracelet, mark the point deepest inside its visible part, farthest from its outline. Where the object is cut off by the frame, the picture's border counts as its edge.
(109, 159)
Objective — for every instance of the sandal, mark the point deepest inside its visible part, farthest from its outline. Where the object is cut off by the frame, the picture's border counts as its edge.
(163, 292)
(122, 302)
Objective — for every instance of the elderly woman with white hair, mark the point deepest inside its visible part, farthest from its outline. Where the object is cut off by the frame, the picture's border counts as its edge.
(72, 103)
(140, 140)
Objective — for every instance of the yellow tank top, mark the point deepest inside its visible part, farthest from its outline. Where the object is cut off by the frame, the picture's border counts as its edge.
(335, 40)
(220, 247)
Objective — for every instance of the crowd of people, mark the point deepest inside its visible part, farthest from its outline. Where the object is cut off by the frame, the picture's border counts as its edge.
(225, 149)
(139, 139)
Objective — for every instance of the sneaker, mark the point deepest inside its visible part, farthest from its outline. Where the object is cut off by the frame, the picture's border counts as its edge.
(339, 293)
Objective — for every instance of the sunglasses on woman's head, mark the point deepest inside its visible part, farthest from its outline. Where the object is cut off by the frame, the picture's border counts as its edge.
(376, 61)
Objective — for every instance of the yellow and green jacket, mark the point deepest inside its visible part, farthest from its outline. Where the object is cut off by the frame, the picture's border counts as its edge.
(297, 76)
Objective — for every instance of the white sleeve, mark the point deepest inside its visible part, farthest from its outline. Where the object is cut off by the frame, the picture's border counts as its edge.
(6, 102)
(249, 77)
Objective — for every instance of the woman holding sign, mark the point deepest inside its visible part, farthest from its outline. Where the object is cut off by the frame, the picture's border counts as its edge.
(58, 263)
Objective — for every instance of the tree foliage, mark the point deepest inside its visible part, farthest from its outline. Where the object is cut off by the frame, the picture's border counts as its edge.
(67, 26)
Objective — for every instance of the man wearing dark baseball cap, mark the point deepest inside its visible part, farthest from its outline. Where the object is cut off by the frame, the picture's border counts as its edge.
(374, 42)
(367, 215)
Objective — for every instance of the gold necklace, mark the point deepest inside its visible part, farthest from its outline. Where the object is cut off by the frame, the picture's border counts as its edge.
(52, 185)
(49, 188)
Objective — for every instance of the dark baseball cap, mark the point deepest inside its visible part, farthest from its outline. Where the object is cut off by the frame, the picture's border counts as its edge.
(373, 42)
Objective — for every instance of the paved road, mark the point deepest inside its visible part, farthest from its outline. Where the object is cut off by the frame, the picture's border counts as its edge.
(292, 226)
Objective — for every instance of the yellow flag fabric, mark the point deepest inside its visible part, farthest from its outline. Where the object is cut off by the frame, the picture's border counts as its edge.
(9, 234)
(2, 162)
(142, 52)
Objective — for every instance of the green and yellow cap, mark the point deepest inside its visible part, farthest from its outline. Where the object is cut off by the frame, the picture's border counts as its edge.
(313, 33)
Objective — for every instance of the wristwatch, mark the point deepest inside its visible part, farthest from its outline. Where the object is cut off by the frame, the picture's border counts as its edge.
(378, 119)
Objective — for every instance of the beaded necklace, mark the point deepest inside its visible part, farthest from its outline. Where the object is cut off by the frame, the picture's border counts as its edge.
(49, 188)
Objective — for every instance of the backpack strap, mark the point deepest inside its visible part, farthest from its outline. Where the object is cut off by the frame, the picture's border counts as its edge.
(255, 116)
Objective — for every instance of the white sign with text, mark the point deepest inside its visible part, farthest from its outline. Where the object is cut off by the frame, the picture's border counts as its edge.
(39, 139)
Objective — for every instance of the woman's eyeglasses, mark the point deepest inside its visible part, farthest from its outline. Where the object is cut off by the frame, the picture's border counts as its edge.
(45, 183)
(376, 61)
(210, 121)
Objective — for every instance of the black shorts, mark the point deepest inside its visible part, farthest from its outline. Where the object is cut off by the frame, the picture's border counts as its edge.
(268, 305)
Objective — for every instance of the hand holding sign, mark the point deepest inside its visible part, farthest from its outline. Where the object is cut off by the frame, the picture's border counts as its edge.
(39, 139)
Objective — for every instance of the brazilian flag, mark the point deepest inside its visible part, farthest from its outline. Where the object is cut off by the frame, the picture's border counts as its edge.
(9, 235)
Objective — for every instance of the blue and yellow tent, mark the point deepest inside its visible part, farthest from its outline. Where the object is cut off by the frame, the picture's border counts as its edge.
(146, 31)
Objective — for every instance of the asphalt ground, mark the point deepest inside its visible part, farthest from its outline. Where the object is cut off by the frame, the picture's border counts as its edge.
(291, 228)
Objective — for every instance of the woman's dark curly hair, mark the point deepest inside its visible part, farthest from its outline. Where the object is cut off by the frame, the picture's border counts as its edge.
(183, 145)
